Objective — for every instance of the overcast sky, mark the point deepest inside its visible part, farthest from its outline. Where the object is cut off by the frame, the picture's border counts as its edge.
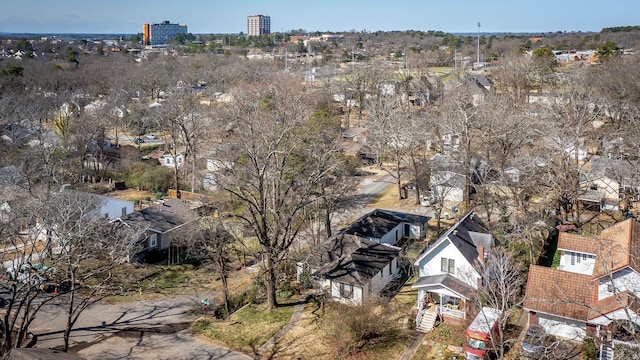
(224, 16)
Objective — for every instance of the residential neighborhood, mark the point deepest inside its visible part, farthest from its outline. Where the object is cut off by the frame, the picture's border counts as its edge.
(319, 194)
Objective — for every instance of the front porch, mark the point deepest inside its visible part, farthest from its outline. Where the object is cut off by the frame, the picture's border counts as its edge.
(441, 298)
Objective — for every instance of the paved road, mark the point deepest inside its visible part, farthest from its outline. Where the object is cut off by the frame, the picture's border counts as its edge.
(377, 187)
(138, 330)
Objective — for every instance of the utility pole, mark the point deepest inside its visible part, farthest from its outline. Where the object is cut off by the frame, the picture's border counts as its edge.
(455, 58)
(478, 60)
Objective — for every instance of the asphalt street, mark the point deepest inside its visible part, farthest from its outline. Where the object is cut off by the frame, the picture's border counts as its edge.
(155, 329)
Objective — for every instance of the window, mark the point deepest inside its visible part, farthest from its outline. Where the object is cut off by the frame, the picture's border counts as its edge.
(153, 240)
(346, 291)
(448, 265)
(573, 258)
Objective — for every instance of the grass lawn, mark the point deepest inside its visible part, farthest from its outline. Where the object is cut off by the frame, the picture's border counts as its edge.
(247, 329)
(314, 335)
(158, 281)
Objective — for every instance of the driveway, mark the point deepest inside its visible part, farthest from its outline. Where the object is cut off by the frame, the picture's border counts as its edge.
(157, 329)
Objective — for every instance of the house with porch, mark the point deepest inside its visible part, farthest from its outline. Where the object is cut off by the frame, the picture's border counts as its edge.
(361, 260)
(595, 290)
(448, 272)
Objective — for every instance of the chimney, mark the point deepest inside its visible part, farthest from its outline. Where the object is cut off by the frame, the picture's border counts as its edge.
(481, 253)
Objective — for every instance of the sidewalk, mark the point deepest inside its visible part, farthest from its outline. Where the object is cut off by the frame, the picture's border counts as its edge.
(297, 314)
(418, 337)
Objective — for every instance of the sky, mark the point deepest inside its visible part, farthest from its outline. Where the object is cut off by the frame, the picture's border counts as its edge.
(229, 16)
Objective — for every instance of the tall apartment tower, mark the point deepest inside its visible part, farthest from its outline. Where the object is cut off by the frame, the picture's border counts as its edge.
(162, 33)
(258, 25)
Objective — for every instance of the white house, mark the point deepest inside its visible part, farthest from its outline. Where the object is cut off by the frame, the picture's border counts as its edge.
(447, 178)
(170, 160)
(106, 206)
(448, 275)
(362, 259)
(594, 290)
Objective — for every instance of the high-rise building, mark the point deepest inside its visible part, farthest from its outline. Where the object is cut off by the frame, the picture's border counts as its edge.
(258, 25)
(162, 33)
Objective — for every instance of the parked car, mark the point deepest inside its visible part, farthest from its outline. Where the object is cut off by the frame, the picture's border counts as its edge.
(33, 274)
(428, 200)
(138, 140)
(150, 137)
(537, 343)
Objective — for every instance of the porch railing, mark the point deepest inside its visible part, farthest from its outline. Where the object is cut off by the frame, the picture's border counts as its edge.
(451, 312)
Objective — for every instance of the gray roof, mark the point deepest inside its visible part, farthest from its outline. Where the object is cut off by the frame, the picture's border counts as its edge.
(164, 217)
(350, 259)
(467, 235)
(379, 222)
(445, 280)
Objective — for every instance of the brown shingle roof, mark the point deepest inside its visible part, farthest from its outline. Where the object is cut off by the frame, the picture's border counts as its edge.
(618, 248)
(575, 242)
(558, 292)
(615, 302)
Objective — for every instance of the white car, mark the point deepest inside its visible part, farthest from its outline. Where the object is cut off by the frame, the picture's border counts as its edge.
(427, 201)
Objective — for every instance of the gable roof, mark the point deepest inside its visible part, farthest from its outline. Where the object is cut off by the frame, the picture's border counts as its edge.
(577, 243)
(350, 259)
(467, 235)
(558, 292)
(616, 247)
(164, 217)
(619, 247)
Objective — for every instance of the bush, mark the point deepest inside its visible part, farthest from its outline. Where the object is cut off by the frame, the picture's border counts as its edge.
(150, 177)
(354, 327)
(285, 290)
(589, 349)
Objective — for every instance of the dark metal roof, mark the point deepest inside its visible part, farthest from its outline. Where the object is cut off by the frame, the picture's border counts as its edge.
(379, 222)
(350, 259)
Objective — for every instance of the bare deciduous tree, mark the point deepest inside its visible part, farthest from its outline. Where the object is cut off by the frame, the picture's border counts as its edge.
(268, 168)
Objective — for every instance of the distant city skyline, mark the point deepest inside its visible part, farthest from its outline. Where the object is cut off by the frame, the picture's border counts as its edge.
(207, 17)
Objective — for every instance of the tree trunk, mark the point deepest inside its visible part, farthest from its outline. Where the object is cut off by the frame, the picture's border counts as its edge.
(225, 290)
(270, 282)
(327, 221)
(67, 329)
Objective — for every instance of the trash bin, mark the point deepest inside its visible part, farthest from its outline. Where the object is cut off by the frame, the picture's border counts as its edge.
(446, 216)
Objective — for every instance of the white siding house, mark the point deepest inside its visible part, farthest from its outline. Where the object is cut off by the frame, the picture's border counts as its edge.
(362, 259)
(170, 160)
(447, 270)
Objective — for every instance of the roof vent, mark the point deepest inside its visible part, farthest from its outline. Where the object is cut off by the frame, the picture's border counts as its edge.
(455, 232)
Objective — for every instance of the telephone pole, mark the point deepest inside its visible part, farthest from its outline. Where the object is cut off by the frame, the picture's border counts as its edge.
(478, 60)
